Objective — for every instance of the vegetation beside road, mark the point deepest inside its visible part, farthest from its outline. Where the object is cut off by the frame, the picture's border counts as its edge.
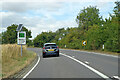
(12, 61)
(10, 35)
(92, 28)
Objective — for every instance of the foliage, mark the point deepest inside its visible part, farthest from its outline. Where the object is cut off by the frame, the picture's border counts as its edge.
(43, 38)
(91, 27)
(10, 36)
(12, 61)
(88, 17)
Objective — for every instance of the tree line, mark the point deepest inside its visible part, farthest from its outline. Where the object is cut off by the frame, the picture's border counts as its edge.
(91, 27)
(10, 35)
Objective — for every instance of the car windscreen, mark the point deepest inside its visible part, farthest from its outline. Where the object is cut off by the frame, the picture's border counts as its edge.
(47, 46)
(50, 45)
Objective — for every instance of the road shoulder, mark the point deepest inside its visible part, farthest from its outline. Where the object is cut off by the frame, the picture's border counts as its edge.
(19, 75)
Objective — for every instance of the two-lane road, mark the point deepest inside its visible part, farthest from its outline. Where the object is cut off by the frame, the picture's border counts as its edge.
(74, 64)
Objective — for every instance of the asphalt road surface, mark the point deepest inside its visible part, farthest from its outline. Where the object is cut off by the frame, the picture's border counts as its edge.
(75, 64)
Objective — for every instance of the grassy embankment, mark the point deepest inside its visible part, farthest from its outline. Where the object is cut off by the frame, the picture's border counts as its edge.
(12, 61)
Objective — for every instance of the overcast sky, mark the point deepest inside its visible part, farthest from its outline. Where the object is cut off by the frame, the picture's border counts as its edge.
(47, 15)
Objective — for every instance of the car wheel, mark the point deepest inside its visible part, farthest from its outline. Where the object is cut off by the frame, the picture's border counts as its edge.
(43, 56)
(57, 55)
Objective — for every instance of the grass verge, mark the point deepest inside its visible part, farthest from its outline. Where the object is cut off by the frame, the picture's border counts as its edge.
(12, 61)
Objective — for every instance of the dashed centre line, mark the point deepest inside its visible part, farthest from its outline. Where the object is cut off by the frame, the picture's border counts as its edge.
(92, 69)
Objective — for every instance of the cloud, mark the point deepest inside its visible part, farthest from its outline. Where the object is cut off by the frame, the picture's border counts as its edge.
(2, 29)
(51, 26)
(9, 18)
(26, 6)
(35, 23)
(46, 15)
(58, 0)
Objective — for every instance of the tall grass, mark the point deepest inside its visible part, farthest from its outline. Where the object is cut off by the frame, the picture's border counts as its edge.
(12, 52)
(0, 63)
(12, 61)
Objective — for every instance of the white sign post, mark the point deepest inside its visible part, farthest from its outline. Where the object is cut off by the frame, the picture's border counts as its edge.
(21, 36)
(21, 39)
(103, 46)
(65, 46)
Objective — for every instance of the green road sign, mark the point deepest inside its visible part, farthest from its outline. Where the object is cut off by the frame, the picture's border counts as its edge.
(21, 35)
(21, 39)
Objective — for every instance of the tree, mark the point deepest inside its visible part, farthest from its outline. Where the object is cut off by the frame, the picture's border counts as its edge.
(117, 9)
(94, 38)
(10, 36)
(91, 27)
(113, 30)
(117, 12)
(42, 38)
(88, 17)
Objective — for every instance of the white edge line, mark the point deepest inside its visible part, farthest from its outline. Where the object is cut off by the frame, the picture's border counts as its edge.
(31, 69)
(86, 62)
(116, 77)
(92, 69)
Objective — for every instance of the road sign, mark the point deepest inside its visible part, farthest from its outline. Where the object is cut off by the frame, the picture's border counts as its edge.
(84, 43)
(19, 28)
(21, 38)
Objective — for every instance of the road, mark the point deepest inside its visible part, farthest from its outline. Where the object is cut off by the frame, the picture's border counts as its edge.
(75, 64)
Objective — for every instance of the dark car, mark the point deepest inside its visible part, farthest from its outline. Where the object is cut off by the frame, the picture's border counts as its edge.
(50, 49)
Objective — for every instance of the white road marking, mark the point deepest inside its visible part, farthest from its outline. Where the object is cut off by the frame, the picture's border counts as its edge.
(73, 56)
(97, 53)
(92, 69)
(32, 68)
(116, 77)
(86, 62)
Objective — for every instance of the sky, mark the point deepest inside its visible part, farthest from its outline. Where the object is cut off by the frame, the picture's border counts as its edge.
(48, 15)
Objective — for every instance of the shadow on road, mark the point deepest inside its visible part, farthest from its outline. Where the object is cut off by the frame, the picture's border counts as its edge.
(47, 57)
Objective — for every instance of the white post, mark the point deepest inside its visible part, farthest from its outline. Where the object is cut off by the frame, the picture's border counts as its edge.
(103, 46)
(21, 49)
(65, 46)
